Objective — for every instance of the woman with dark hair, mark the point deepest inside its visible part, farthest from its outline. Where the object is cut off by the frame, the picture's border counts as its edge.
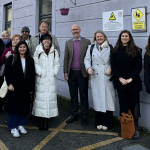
(126, 64)
(147, 66)
(47, 65)
(20, 78)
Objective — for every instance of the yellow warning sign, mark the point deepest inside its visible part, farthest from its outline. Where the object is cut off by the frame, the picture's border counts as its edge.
(138, 25)
(112, 17)
(138, 15)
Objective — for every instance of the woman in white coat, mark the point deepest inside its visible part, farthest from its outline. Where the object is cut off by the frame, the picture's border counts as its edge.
(102, 88)
(47, 65)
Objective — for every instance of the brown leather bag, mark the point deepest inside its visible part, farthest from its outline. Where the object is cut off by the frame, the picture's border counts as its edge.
(127, 125)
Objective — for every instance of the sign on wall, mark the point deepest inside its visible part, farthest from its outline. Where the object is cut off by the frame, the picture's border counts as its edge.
(139, 23)
(113, 20)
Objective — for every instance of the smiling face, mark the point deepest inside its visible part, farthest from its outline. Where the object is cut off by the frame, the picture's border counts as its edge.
(125, 39)
(75, 30)
(46, 43)
(15, 41)
(5, 37)
(22, 49)
(25, 35)
(100, 38)
(43, 28)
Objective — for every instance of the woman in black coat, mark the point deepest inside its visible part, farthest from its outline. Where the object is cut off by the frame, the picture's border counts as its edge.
(147, 67)
(126, 64)
(20, 77)
(5, 42)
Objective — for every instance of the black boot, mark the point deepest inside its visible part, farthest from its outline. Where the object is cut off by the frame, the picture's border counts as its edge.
(137, 133)
(41, 125)
(46, 124)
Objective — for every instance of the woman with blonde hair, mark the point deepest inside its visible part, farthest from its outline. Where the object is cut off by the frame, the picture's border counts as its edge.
(97, 63)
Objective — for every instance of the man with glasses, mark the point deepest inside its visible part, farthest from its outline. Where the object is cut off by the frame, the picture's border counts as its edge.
(76, 75)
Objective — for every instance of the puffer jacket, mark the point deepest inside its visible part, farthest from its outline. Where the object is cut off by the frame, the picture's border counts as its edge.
(46, 68)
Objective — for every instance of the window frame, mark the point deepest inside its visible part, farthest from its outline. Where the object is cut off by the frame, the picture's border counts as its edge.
(8, 6)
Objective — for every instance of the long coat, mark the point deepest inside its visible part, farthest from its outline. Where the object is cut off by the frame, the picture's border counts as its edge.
(147, 70)
(18, 101)
(47, 67)
(69, 55)
(126, 67)
(102, 89)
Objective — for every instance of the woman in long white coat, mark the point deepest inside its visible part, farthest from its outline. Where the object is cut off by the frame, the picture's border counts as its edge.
(47, 65)
(102, 88)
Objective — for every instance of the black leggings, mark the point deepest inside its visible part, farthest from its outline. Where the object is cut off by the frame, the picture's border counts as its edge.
(129, 100)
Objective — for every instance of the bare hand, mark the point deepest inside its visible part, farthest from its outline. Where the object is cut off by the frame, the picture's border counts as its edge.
(66, 76)
(10, 87)
(123, 81)
(108, 72)
(8, 54)
(90, 71)
(31, 92)
(129, 80)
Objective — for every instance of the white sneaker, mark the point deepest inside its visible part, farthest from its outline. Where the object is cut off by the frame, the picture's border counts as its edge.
(104, 128)
(99, 127)
(22, 130)
(15, 132)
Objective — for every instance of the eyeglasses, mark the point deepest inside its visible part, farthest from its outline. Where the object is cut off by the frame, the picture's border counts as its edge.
(75, 29)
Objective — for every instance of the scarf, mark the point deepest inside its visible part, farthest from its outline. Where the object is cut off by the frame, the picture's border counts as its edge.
(6, 42)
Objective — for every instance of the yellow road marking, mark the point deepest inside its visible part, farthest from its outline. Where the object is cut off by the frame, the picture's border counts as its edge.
(90, 132)
(99, 144)
(50, 136)
(3, 146)
(3, 125)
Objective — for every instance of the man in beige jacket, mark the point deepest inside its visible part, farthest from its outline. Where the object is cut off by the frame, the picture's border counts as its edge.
(35, 40)
(75, 73)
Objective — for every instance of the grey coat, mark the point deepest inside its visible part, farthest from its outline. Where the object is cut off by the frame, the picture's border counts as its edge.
(34, 42)
(69, 55)
(102, 89)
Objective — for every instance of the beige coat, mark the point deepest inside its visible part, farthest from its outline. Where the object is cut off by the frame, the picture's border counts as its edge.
(34, 42)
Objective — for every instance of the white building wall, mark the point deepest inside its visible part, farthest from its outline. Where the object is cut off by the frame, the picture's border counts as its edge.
(88, 14)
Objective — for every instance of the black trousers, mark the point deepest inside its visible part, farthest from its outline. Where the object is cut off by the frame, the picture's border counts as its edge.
(105, 119)
(129, 100)
(77, 81)
(2, 100)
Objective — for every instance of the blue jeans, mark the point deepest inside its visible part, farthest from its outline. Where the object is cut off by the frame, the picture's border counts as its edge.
(15, 120)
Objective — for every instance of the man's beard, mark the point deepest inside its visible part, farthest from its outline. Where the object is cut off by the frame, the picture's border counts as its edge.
(25, 37)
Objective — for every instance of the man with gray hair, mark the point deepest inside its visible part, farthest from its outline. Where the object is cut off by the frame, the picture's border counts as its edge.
(35, 40)
(76, 75)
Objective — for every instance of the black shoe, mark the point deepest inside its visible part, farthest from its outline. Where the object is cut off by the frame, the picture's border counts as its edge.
(46, 124)
(119, 134)
(72, 119)
(41, 125)
(136, 135)
(84, 122)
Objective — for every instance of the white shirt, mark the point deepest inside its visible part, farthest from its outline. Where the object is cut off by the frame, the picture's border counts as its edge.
(23, 64)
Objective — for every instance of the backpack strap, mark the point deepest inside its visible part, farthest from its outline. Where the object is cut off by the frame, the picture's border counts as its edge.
(111, 47)
(54, 54)
(91, 50)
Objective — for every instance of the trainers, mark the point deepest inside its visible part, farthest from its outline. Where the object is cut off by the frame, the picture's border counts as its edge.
(15, 132)
(22, 130)
(104, 128)
(99, 127)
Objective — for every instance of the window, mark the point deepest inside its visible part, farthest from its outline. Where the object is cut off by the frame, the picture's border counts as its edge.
(46, 11)
(8, 18)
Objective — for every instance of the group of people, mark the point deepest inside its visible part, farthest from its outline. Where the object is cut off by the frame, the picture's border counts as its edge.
(32, 63)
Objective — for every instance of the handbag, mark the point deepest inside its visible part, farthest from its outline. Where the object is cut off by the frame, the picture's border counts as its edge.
(3, 89)
(2, 67)
(127, 125)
